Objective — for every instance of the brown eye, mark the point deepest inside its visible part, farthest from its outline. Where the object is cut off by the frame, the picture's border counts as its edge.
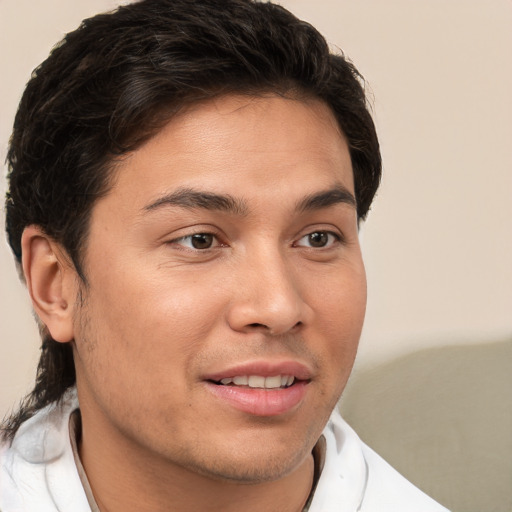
(201, 240)
(197, 241)
(318, 239)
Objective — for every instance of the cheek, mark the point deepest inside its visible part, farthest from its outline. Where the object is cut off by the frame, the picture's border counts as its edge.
(151, 323)
(341, 310)
(341, 300)
(137, 347)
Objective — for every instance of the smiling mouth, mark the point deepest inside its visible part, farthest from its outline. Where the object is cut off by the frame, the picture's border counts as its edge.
(270, 394)
(258, 381)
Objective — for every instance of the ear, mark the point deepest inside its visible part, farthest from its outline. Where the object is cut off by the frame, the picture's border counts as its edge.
(52, 282)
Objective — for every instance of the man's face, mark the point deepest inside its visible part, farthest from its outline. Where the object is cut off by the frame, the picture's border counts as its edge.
(226, 290)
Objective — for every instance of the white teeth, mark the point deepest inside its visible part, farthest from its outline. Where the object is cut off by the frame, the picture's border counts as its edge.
(273, 382)
(257, 381)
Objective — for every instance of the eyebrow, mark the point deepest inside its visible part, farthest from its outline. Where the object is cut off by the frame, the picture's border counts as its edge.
(192, 199)
(336, 195)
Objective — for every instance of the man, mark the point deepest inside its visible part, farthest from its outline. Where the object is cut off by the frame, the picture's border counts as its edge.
(186, 182)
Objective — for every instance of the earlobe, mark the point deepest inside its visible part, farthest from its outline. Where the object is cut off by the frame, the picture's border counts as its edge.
(51, 282)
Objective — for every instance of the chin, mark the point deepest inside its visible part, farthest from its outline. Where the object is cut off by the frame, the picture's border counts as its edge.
(252, 468)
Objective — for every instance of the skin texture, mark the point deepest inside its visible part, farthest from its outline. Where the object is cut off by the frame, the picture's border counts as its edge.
(159, 316)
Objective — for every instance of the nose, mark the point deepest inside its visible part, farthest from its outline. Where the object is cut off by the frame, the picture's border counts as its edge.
(268, 297)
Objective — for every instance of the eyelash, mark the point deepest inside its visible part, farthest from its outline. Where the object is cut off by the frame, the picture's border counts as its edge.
(180, 240)
(335, 238)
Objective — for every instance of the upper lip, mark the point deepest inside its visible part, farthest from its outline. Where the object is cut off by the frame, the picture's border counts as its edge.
(263, 368)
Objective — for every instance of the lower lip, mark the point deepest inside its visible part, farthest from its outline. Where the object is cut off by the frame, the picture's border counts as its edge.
(260, 402)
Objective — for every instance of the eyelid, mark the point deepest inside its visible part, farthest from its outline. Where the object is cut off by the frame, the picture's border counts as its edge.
(338, 238)
(179, 241)
(177, 236)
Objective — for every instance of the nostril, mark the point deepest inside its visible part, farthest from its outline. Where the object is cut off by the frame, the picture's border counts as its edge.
(257, 326)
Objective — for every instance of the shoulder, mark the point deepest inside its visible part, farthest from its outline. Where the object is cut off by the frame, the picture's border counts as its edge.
(37, 470)
(355, 478)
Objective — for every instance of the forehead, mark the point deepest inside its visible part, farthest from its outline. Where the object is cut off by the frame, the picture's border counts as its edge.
(239, 144)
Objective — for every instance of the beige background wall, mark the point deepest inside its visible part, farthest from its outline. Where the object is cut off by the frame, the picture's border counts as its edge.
(438, 243)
